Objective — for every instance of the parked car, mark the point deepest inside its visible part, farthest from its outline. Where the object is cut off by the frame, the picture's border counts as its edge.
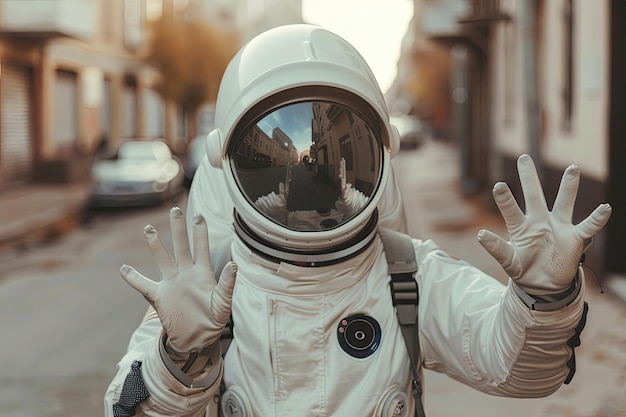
(196, 150)
(143, 172)
(413, 131)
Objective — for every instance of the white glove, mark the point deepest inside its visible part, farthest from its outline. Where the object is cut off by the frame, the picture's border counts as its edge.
(545, 248)
(193, 309)
(274, 205)
(351, 200)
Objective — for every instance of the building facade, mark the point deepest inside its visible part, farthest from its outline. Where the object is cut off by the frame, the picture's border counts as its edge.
(71, 78)
(540, 77)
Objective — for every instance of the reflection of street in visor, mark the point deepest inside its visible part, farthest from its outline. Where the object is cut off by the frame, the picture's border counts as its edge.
(309, 166)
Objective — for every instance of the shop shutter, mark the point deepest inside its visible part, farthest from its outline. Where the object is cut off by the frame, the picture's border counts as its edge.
(16, 145)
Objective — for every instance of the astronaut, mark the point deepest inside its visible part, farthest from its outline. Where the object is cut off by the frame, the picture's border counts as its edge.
(315, 330)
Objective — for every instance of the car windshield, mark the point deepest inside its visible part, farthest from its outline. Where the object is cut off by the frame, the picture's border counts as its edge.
(145, 151)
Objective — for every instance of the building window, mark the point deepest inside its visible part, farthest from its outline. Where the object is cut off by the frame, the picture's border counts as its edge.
(568, 63)
(108, 21)
(133, 24)
(346, 151)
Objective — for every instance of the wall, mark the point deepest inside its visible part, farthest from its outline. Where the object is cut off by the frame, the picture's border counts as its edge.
(585, 141)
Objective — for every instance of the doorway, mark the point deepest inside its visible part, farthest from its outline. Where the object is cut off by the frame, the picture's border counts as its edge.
(616, 228)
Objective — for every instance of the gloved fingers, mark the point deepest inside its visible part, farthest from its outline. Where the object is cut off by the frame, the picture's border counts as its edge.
(512, 214)
(164, 260)
(594, 222)
(180, 239)
(143, 285)
(287, 180)
(223, 293)
(502, 251)
(342, 173)
(566, 197)
(531, 186)
(201, 253)
(281, 189)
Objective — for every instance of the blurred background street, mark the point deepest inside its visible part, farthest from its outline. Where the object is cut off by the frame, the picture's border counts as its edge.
(471, 85)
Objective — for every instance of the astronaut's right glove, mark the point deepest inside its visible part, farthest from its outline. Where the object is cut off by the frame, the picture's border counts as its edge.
(192, 307)
(545, 248)
(351, 200)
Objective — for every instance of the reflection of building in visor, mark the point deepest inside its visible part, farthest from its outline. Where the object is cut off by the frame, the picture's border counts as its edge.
(309, 166)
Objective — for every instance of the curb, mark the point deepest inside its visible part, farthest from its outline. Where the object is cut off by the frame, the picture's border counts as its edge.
(33, 217)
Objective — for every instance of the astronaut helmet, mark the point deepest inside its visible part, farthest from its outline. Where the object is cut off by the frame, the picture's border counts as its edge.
(302, 135)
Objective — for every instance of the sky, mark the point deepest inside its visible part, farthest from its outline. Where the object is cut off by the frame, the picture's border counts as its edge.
(294, 120)
(374, 27)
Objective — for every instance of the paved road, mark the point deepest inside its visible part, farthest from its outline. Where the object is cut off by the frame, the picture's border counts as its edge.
(67, 315)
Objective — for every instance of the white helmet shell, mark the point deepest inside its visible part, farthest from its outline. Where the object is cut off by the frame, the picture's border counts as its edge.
(295, 64)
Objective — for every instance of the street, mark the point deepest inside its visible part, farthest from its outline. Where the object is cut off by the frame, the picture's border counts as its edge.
(68, 315)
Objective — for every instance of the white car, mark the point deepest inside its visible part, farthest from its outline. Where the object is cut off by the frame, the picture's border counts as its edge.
(413, 131)
(144, 172)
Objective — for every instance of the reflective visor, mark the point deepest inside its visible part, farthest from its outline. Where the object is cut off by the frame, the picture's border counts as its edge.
(309, 165)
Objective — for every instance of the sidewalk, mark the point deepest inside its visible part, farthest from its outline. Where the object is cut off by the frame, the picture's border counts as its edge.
(35, 213)
(435, 209)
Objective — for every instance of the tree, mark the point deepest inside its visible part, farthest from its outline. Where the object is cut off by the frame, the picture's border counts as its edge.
(430, 81)
(191, 57)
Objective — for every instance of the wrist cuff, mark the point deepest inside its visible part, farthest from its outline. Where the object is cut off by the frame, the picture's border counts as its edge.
(205, 379)
(545, 302)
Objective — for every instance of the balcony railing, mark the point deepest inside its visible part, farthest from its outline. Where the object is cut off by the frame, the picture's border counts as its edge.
(48, 18)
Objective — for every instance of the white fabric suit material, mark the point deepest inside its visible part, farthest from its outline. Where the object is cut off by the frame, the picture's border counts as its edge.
(493, 345)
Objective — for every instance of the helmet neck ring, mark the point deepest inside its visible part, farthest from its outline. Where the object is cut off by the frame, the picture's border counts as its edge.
(318, 258)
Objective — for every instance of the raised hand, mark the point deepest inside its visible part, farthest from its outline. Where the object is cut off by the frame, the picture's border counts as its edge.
(342, 177)
(274, 205)
(545, 248)
(351, 200)
(192, 307)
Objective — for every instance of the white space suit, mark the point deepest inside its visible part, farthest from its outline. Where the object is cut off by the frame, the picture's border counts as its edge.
(315, 329)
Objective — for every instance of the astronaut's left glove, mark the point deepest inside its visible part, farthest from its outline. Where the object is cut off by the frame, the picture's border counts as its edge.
(545, 248)
(351, 200)
(274, 205)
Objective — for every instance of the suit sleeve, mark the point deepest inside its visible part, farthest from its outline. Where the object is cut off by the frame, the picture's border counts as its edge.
(478, 331)
(143, 385)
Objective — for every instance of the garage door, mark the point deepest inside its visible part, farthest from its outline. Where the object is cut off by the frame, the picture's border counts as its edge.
(16, 146)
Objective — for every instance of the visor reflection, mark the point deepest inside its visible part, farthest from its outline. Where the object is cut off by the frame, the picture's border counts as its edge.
(308, 166)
